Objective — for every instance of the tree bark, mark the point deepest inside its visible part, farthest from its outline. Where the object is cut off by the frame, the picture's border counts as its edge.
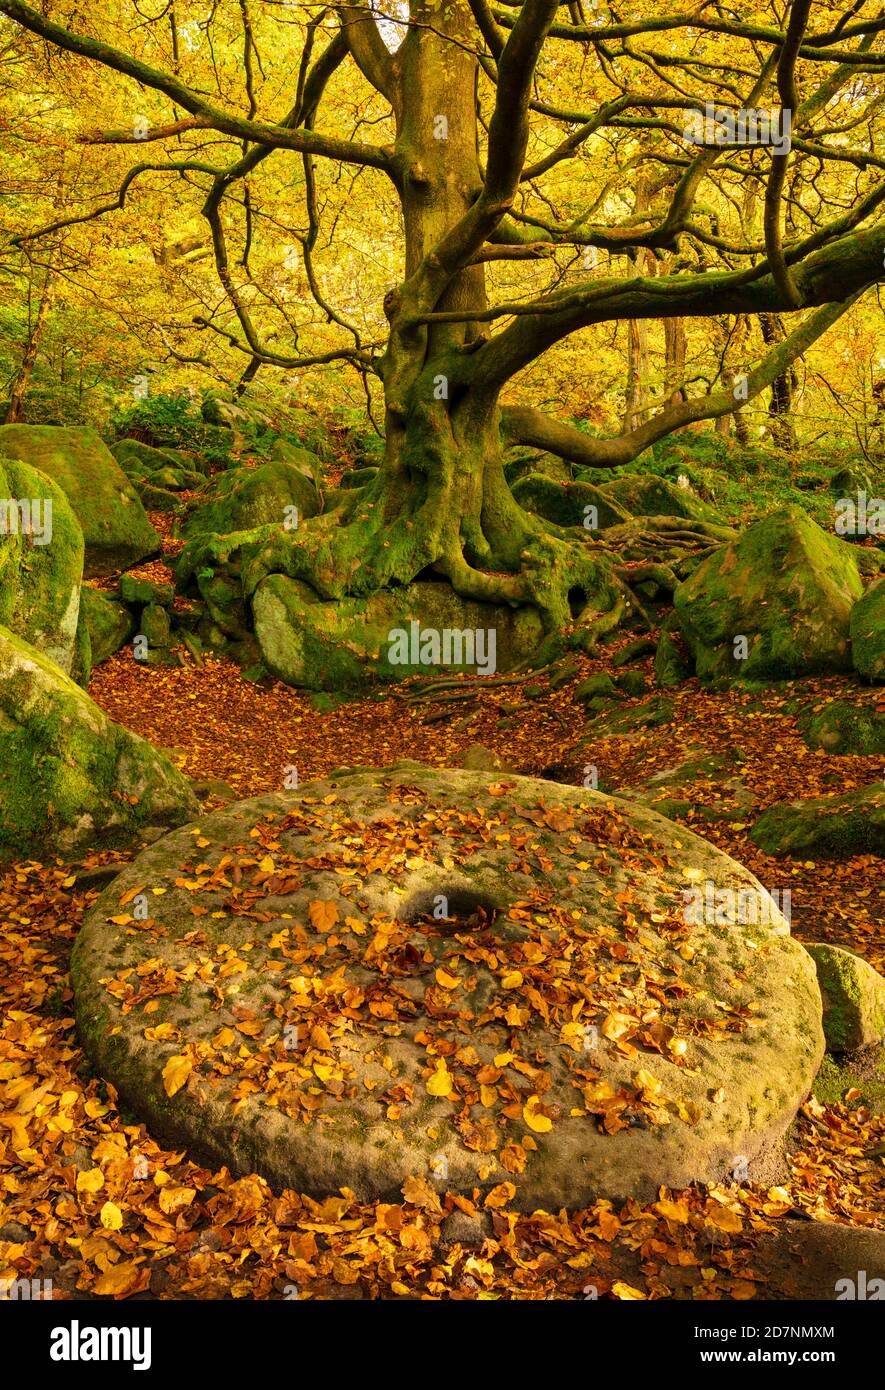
(21, 380)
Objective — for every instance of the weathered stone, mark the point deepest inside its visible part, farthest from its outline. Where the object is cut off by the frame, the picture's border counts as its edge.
(786, 587)
(40, 572)
(108, 623)
(135, 590)
(831, 826)
(244, 498)
(71, 777)
(868, 633)
(347, 644)
(336, 1032)
(841, 727)
(854, 998)
(116, 530)
(155, 625)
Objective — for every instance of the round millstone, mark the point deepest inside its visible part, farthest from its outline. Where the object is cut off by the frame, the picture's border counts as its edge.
(471, 979)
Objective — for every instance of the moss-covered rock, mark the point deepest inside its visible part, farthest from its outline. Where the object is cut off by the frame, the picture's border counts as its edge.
(647, 495)
(569, 504)
(244, 498)
(840, 727)
(836, 827)
(170, 469)
(599, 686)
(346, 644)
(115, 526)
(305, 462)
(71, 777)
(109, 624)
(671, 667)
(211, 567)
(774, 604)
(523, 463)
(40, 572)
(155, 625)
(136, 590)
(868, 633)
(854, 998)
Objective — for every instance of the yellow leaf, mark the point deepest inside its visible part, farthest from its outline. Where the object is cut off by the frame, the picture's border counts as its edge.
(512, 980)
(626, 1291)
(322, 915)
(446, 980)
(266, 865)
(175, 1074)
(111, 1216)
(90, 1181)
(539, 1123)
(440, 1084)
(171, 1198)
(488, 1095)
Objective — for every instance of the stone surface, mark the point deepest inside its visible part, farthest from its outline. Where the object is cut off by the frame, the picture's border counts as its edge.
(135, 590)
(347, 644)
(39, 583)
(841, 727)
(244, 498)
(868, 633)
(115, 526)
(337, 1029)
(836, 827)
(787, 587)
(108, 623)
(854, 998)
(72, 777)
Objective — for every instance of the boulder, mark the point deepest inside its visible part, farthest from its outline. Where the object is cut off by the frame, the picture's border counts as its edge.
(671, 668)
(307, 463)
(108, 623)
(71, 777)
(786, 587)
(422, 629)
(372, 994)
(830, 826)
(115, 525)
(40, 572)
(867, 629)
(854, 998)
(840, 727)
(155, 625)
(244, 498)
(133, 589)
(569, 504)
(647, 495)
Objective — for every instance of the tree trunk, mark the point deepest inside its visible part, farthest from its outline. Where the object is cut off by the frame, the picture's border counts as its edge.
(15, 410)
(780, 407)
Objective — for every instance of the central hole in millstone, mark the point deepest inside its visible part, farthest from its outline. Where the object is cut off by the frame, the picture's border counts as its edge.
(455, 909)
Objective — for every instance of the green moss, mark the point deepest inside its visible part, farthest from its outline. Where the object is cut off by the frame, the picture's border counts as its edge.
(108, 623)
(784, 585)
(245, 498)
(115, 526)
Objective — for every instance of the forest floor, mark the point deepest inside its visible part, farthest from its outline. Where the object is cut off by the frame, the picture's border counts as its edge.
(89, 1200)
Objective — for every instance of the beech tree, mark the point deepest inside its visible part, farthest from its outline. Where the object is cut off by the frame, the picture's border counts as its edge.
(480, 108)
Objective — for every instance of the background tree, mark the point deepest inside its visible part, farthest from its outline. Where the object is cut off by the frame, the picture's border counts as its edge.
(502, 143)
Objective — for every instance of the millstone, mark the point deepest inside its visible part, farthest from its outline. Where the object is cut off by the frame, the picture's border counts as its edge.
(467, 978)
